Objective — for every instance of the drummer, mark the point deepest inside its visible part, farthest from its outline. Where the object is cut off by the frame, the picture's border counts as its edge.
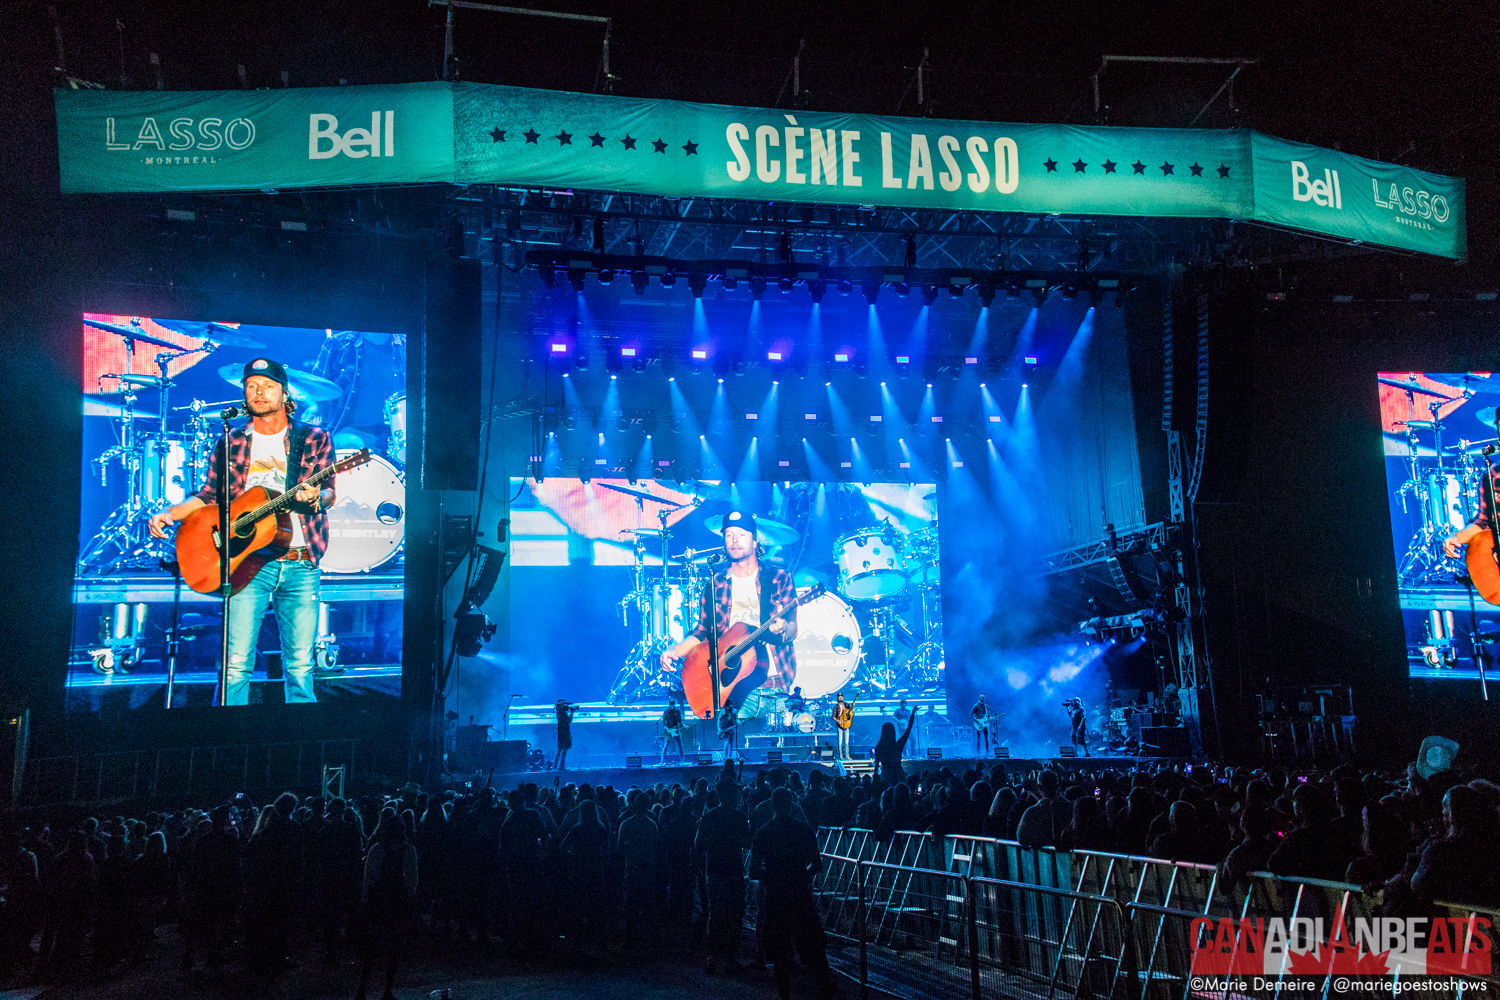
(795, 702)
(370, 368)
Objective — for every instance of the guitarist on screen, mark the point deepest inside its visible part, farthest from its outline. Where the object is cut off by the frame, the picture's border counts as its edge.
(749, 591)
(272, 451)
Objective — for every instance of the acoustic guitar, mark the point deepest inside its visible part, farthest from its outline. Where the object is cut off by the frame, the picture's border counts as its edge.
(738, 661)
(1483, 570)
(844, 717)
(260, 529)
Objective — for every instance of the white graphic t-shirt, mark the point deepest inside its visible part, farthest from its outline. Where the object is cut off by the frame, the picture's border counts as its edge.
(268, 469)
(744, 602)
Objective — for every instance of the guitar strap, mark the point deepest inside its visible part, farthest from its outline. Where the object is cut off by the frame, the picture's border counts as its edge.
(296, 437)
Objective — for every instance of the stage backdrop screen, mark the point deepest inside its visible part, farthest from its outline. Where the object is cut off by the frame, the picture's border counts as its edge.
(1435, 429)
(153, 391)
(592, 608)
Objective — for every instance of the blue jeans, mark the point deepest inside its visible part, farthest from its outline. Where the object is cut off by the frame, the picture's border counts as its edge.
(294, 585)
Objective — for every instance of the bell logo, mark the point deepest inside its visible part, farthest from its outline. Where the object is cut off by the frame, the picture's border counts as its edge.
(1324, 191)
(324, 140)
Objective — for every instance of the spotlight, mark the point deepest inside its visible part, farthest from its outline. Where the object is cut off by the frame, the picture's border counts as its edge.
(639, 280)
(582, 361)
(606, 276)
(816, 288)
(1039, 293)
(757, 287)
(871, 289)
(929, 294)
(955, 289)
(697, 282)
(1070, 290)
(575, 278)
(986, 294)
(785, 284)
(729, 282)
(622, 423)
(668, 280)
(903, 289)
(613, 359)
(1012, 289)
(845, 286)
(544, 271)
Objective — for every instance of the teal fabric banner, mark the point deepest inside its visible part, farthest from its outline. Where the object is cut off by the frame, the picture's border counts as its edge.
(477, 133)
(230, 140)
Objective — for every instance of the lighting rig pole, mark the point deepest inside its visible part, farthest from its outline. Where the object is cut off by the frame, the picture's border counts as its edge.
(452, 5)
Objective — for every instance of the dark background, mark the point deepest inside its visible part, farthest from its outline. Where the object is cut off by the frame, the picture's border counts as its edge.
(1295, 542)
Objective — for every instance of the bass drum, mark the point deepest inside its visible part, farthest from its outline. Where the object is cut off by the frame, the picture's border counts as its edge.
(828, 645)
(367, 523)
(871, 567)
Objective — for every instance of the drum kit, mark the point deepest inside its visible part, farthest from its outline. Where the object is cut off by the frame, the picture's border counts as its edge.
(1443, 472)
(165, 456)
(845, 636)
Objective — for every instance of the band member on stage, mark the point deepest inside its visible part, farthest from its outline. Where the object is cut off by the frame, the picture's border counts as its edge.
(277, 452)
(565, 712)
(795, 702)
(904, 717)
(980, 714)
(729, 721)
(671, 727)
(748, 591)
(843, 718)
(1080, 726)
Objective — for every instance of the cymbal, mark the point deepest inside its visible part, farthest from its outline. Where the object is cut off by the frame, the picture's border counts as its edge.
(708, 491)
(1485, 415)
(220, 334)
(1421, 425)
(931, 496)
(133, 332)
(1409, 385)
(306, 387)
(1478, 381)
(97, 408)
(773, 534)
(1397, 446)
(641, 494)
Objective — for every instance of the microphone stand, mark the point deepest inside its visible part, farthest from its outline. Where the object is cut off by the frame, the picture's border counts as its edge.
(505, 719)
(174, 638)
(1489, 496)
(225, 591)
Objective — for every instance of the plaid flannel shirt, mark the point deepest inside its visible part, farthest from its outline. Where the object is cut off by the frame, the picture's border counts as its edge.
(782, 654)
(316, 455)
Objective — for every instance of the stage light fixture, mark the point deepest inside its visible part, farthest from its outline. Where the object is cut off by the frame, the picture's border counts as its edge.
(903, 289)
(613, 361)
(871, 290)
(1070, 290)
(545, 272)
(606, 276)
(816, 288)
(558, 347)
(986, 294)
(929, 293)
(842, 357)
(639, 280)
(774, 356)
(1012, 290)
(582, 362)
(785, 284)
(622, 423)
(668, 280)
(700, 354)
(757, 287)
(1039, 293)
(575, 278)
(697, 283)
(845, 286)
(729, 282)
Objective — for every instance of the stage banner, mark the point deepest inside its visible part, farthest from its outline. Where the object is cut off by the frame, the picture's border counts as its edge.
(677, 149)
(1325, 191)
(254, 139)
(480, 133)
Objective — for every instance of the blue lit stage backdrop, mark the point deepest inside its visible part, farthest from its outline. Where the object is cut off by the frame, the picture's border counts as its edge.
(153, 391)
(1435, 429)
(1001, 424)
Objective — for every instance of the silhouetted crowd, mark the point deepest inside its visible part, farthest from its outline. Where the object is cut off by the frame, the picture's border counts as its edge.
(543, 871)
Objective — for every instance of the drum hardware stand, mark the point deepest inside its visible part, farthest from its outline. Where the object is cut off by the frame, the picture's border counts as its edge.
(641, 675)
(226, 586)
(174, 639)
(325, 647)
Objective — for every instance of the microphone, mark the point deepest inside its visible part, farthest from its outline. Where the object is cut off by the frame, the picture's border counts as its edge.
(230, 413)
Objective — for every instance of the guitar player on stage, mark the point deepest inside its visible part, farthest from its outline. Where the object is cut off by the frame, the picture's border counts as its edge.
(843, 718)
(273, 451)
(749, 591)
(980, 716)
(671, 727)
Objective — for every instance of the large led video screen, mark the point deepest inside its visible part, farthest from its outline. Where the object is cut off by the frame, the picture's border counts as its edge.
(607, 574)
(317, 507)
(1439, 433)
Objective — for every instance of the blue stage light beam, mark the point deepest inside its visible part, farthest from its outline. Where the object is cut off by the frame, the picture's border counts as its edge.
(818, 470)
(552, 458)
(962, 489)
(864, 471)
(763, 429)
(645, 459)
(893, 422)
(916, 469)
(928, 424)
(1025, 345)
(980, 338)
(1022, 452)
(709, 464)
(876, 355)
(916, 340)
(749, 467)
(1070, 370)
(996, 427)
(843, 423)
